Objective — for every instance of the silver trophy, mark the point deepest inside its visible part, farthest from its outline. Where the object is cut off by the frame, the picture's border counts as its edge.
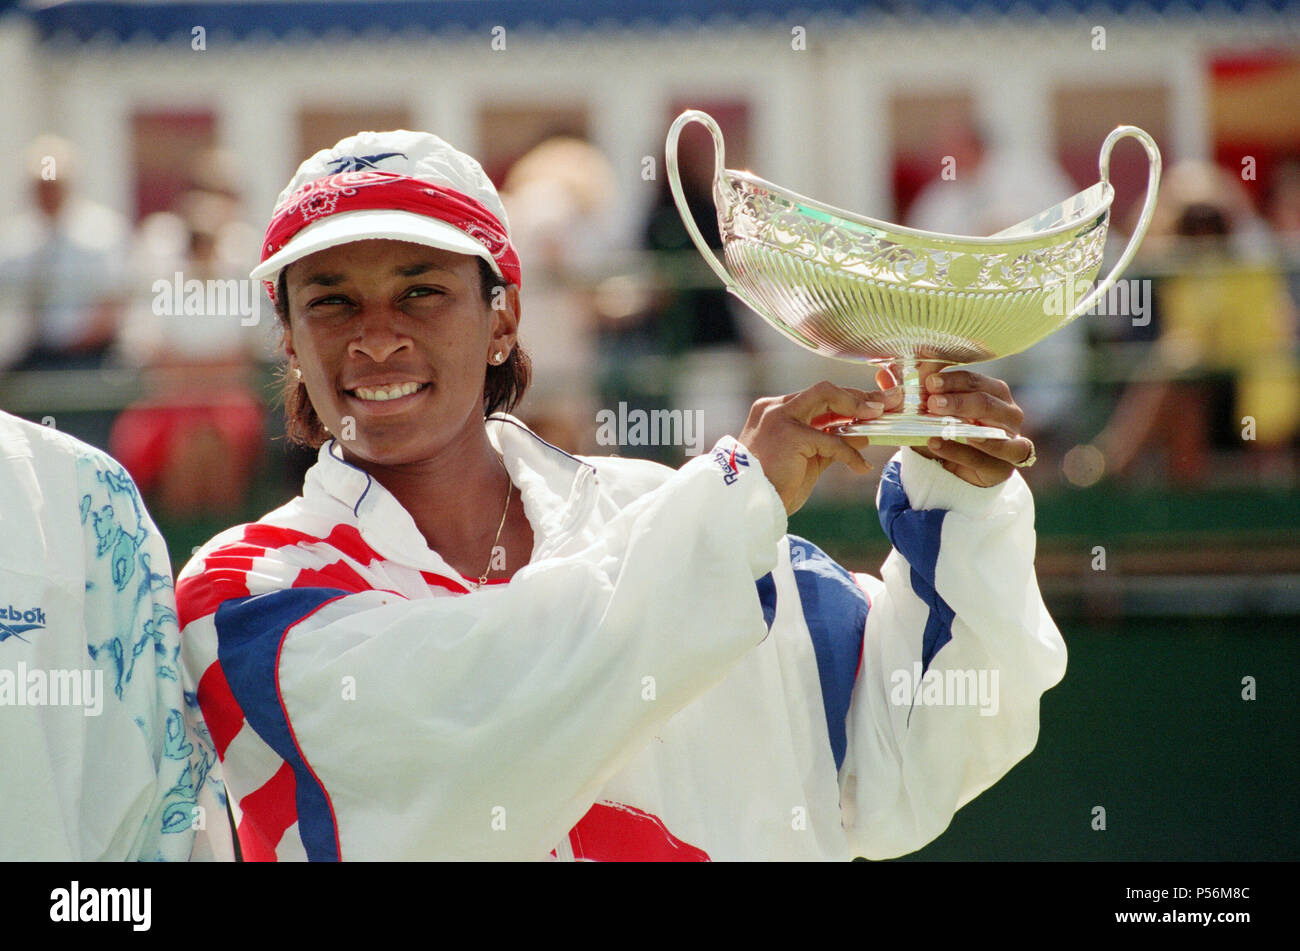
(867, 291)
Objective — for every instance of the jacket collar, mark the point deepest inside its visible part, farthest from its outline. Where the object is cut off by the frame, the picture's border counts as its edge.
(552, 484)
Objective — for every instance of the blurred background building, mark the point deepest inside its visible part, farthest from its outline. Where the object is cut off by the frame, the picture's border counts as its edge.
(145, 144)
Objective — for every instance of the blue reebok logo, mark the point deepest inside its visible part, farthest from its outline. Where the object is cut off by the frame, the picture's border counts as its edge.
(731, 464)
(15, 622)
(355, 163)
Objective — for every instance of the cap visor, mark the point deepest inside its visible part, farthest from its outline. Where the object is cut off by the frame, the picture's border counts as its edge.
(352, 226)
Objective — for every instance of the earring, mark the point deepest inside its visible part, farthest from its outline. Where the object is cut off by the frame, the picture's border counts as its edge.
(297, 374)
(497, 357)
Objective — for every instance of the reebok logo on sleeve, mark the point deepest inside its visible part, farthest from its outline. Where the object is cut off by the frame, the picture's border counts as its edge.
(731, 463)
(15, 622)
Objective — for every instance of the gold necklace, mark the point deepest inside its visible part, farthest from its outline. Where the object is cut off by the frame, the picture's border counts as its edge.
(510, 487)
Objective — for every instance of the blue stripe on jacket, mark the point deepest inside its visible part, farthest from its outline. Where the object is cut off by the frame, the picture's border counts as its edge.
(916, 535)
(249, 633)
(835, 611)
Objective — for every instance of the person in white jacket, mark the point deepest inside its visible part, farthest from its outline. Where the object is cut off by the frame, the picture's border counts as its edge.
(104, 755)
(463, 643)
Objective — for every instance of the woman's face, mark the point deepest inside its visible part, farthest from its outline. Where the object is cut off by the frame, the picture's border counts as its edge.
(393, 340)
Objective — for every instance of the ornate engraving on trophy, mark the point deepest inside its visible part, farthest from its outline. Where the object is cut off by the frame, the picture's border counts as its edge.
(866, 291)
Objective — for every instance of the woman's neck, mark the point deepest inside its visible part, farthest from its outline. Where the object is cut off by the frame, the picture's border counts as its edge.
(457, 499)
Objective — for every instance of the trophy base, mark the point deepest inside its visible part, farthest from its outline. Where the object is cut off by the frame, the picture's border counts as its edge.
(891, 430)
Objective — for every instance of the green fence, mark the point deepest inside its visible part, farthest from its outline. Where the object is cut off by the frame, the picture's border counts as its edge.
(1150, 724)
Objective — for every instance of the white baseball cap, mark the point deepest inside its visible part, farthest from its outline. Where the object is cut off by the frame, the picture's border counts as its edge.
(400, 185)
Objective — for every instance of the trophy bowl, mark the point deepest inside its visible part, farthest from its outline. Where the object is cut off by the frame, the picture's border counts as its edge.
(866, 291)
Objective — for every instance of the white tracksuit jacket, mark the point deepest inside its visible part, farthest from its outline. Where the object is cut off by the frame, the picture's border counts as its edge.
(97, 761)
(670, 677)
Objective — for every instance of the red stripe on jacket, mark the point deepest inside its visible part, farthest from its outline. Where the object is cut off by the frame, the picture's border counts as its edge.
(267, 812)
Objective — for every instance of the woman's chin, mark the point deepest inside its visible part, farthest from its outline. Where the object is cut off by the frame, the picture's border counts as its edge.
(377, 452)
(389, 448)
(398, 439)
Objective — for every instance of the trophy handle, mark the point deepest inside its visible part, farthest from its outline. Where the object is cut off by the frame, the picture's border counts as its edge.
(679, 195)
(1148, 208)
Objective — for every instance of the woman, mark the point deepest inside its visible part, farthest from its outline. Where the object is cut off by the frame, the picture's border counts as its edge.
(460, 642)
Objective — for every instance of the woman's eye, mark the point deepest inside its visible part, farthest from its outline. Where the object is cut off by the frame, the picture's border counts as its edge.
(425, 292)
(330, 301)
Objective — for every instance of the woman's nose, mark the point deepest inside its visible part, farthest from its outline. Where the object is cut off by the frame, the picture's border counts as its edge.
(380, 333)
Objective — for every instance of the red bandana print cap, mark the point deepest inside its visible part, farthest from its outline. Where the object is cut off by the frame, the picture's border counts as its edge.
(400, 185)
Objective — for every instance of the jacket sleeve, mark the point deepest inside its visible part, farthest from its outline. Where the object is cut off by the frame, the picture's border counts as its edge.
(957, 651)
(483, 726)
(133, 638)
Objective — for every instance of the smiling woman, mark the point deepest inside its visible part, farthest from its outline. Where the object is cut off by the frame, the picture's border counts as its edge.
(631, 662)
(503, 388)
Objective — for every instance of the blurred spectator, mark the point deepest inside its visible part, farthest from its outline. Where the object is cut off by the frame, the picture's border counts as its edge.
(559, 197)
(695, 321)
(1282, 198)
(1282, 211)
(196, 323)
(1192, 182)
(61, 270)
(632, 359)
(991, 188)
(1224, 369)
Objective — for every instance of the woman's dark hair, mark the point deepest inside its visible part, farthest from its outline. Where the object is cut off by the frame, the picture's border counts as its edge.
(503, 387)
